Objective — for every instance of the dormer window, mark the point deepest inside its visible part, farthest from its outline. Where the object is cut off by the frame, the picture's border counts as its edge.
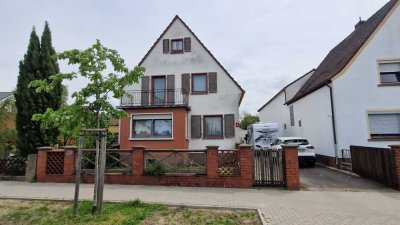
(177, 46)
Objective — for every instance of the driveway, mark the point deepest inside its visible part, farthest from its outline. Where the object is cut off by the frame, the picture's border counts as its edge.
(322, 178)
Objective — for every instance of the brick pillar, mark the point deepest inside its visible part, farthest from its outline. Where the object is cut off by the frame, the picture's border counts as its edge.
(396, 159)
(138, 160)
(69, 160)
(246, 164)
(212, 161)
(41, 163)
(291, 171)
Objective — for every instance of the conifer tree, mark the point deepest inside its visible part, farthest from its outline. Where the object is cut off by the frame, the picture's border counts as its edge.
(28, 132)
(49, 66)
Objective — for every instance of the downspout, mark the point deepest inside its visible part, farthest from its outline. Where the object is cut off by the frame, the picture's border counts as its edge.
(333, 123)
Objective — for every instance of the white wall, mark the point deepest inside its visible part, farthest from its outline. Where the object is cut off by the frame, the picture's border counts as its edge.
(225, 101)
(314, 111)
(293, 88)
(276, 112)
(357, 91)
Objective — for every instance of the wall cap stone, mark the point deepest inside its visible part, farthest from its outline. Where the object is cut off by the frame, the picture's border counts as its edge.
(44, 148)
(245, 146)
(70, 147)
(212, 146)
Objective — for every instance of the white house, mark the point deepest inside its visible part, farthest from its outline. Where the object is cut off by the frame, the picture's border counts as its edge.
(186, 98)
(352, 98)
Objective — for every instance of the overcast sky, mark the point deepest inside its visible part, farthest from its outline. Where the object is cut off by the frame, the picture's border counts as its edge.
(264, 44)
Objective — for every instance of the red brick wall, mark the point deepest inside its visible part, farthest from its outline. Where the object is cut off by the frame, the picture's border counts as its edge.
(179, 126)
(291, 171)
(212, 179)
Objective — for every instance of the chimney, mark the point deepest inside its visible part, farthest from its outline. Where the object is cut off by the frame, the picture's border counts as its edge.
(361, 22)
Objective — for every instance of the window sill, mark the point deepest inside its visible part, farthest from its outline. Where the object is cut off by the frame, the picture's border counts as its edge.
(388, 84)
(199, 93)
(151, 139)
(212, 138)
(177, 52)
(384, 139)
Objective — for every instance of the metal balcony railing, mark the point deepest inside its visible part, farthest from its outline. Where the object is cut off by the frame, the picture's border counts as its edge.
(159, 98)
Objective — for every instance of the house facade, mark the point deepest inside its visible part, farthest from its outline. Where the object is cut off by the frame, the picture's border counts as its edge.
(350, 99)
(185, 100)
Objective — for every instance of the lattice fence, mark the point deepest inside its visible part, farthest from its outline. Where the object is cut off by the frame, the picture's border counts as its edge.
(228, 163)
(12, 166)
(117, 161)
(55, 163)
(176, 162)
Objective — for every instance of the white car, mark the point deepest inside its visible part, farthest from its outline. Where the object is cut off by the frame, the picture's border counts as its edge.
(306, 151)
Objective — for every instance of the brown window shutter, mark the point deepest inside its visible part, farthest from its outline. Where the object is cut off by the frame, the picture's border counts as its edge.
(166, 46)
(188, 44)
(229, 125)
(212, 79)
(186, 82)
(145, 90)
(195, 126)
(171, 89)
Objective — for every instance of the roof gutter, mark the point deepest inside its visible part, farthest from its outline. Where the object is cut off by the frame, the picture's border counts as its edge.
(333, 121)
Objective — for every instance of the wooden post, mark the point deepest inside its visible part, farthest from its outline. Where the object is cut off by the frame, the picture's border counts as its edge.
(396, 158)
(102, 167)
(78, 173)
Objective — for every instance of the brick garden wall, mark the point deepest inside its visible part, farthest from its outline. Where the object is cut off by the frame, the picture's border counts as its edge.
(66, 171)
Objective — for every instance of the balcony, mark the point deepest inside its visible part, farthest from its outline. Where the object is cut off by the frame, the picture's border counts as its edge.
(155, 99)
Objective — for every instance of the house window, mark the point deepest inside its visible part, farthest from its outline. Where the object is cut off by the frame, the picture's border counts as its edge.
(152, 126)
(299, 123)
(389, 72)
(291, 115)
(212, 127)
(199, 83)
(384, 125)
(177, 46)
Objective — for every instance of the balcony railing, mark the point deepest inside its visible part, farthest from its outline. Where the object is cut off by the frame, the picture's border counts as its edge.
(159, 98)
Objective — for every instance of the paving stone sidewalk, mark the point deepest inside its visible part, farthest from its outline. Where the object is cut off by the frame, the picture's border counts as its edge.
(278, 206)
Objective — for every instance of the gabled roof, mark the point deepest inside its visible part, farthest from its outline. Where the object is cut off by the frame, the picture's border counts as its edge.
(283, 89)
(4, 95)
(342, 54)
(201, 43)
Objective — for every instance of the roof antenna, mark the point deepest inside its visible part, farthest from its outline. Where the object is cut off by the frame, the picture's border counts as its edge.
(359, 23)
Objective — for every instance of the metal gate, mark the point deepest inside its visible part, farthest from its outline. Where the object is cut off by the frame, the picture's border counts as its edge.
(268, 168)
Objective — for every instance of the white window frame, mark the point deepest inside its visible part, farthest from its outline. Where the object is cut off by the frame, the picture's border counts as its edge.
(380, 111)
(153, 116)
(386, 61)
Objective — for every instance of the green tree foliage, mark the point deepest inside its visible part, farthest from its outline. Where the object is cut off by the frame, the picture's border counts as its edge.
(38, 64)
(49, 66)
(27, 101)
(8, 135)
(106, 76)
(248, 119)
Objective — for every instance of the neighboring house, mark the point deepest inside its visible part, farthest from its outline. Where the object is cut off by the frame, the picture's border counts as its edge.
(352, 98)
(7, 118)
(186, 98)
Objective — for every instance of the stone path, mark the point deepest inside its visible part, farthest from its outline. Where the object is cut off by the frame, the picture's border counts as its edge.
(278, 206)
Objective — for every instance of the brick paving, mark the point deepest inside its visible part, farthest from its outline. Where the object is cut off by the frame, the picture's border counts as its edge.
(278, 206)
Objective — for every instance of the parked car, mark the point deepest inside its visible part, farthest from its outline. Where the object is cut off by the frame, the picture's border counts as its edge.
(306, 151)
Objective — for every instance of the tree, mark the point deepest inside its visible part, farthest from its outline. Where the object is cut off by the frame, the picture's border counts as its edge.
(91, 107)
(49, 66)
(28, 132)
(248, 119)
(8, 134)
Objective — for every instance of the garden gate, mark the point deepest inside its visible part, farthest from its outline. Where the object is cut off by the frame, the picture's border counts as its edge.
(268, 168)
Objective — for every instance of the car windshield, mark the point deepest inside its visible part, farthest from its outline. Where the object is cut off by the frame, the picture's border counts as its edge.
(296, 141)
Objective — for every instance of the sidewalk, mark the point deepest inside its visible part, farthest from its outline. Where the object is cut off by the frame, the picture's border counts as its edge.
(278, 206)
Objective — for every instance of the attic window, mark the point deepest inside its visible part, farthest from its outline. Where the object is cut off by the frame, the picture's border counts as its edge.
(389, 72)
(177, 46)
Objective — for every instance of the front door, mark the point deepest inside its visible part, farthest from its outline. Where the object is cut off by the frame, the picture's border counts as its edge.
(158, 90)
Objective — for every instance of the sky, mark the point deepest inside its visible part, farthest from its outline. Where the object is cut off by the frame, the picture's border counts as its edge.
(264, 44)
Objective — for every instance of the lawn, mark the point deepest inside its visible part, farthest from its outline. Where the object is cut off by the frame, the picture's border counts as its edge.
(134, 212)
